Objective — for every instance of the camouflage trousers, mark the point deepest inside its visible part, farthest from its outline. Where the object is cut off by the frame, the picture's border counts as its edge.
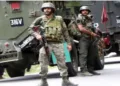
(57, 48)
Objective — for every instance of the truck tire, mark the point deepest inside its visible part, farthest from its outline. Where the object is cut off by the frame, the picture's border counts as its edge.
(12, 72)
(17, 68)
(99, 60)
(73, 65)
(71, 70)
(99, 63)
(74, 56)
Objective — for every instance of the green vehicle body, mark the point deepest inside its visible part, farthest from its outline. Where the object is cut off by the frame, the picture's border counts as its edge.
(16, 16)
(15, 34)
(18, 49)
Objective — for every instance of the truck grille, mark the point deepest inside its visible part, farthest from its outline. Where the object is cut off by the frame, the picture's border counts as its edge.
(7, 57)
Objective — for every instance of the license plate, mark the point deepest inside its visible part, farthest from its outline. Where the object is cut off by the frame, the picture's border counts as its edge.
(16, 21)
(26, 41)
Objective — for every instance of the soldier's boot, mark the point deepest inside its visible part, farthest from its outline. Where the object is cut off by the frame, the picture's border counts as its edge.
(43, 82)
(66, 82)
(93, 72)
(84, 72)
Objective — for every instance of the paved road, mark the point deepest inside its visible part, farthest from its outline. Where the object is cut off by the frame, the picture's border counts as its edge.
(110, 76)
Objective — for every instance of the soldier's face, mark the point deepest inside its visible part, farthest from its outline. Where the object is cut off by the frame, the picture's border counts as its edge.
(47, 11)
(85, 12)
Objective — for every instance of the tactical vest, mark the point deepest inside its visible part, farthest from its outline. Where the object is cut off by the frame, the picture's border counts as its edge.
(53, 29)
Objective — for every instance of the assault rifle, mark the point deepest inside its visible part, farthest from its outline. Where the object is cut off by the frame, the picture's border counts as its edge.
(39, 29)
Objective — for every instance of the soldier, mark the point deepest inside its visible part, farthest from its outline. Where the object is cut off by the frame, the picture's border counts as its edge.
(85, 43)
(56, 33)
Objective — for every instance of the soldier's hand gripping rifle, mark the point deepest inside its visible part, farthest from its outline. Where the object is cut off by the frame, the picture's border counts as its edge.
(39, 29)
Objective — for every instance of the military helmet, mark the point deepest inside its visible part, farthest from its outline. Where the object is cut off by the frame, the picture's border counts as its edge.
(84, 8)
(49, 5)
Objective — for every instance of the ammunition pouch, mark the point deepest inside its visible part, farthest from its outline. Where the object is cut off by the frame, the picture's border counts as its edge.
(55, 39)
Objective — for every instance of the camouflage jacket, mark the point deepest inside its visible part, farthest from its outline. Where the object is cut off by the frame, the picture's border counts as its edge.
(73, 29)
(86, 22)
(54, 29)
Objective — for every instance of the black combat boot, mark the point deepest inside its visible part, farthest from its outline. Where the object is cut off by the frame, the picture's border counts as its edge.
(93, 72)
(43, 82)
(66, 82)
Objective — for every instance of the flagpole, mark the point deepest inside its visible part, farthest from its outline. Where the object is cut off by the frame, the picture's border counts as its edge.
(105, 25)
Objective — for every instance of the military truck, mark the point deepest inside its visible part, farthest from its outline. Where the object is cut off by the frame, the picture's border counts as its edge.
(111, 30)
(18, 49)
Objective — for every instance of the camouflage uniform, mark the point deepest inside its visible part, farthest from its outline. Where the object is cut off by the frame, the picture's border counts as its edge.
(56, 33)
(86, 45)
(73, 30)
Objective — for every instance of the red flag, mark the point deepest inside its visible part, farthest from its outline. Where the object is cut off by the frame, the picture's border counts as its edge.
(104, 16)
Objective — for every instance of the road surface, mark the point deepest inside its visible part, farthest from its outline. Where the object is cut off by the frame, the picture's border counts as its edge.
(110, 76)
